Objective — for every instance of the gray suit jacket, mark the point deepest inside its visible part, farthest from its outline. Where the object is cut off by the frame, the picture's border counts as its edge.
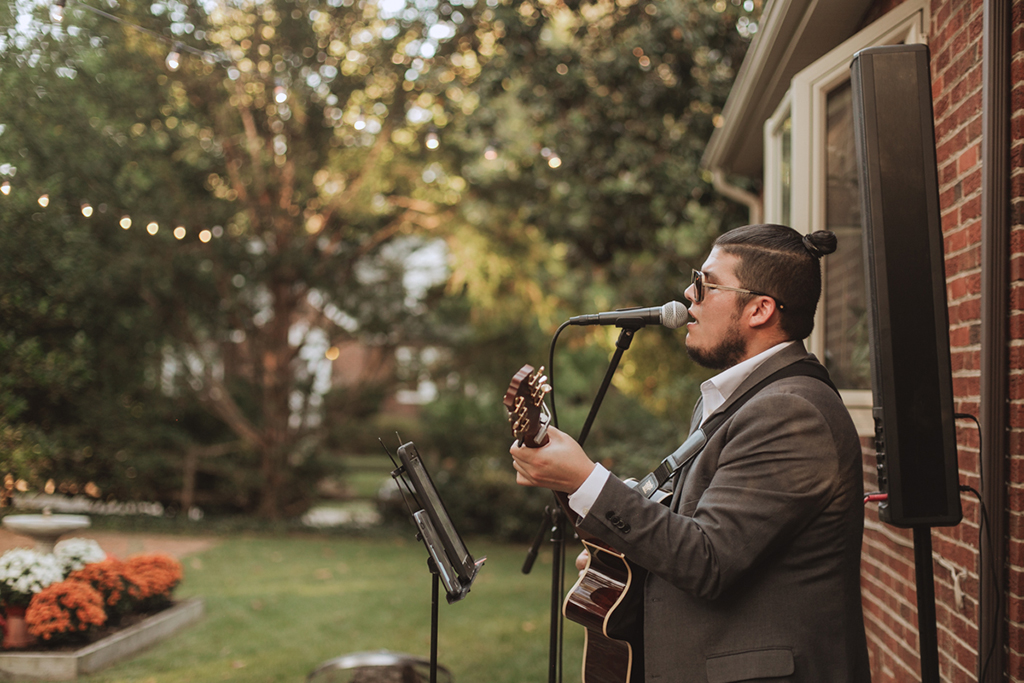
(755, 567)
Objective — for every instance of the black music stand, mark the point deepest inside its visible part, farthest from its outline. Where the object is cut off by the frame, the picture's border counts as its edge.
(449, 562)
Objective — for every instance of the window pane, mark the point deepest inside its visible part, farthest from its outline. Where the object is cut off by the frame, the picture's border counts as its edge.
(845, 293)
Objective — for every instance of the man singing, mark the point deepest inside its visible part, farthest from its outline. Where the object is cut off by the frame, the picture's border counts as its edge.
(754, 560)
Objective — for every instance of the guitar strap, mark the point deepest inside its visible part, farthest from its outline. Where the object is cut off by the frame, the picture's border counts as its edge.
(695, 443)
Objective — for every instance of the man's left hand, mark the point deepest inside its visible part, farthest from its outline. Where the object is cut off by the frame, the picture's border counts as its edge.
(559, 465)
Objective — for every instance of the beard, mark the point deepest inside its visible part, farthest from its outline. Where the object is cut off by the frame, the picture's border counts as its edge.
(725, 354)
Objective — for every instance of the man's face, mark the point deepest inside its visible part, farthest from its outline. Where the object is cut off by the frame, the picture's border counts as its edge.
(714, 336)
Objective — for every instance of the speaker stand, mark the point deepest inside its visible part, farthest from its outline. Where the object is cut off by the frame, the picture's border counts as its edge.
(925, 575)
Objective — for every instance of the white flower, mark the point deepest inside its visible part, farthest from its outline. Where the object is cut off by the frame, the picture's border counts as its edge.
(75, 553)
(25, 572)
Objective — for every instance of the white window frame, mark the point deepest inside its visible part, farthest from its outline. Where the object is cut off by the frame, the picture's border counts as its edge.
(806, 102)
(773, 156)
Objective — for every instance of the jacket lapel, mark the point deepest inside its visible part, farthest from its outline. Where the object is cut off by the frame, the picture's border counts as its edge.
(786, 356)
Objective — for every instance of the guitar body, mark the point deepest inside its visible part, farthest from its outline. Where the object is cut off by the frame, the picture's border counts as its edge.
(608, 597)
(608, 601)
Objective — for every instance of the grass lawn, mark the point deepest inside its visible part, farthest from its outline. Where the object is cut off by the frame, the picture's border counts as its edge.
(277, 606)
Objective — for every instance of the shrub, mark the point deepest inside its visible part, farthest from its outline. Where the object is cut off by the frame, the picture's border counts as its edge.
(23, 573)
(75, 553)
(107, 578)
(152, 578)
(65, 611)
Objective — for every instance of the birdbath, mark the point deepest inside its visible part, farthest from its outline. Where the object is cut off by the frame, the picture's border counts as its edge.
(46, 528)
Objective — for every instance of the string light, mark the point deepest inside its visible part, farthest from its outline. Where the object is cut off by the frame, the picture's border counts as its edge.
(173, 60)
(44, 200)
(5, 187)
(86, 209)
(280, 94)
(490, 153)
(432, 141)
(205, 236)
(152, 228)
(125, 222)
(179, 232)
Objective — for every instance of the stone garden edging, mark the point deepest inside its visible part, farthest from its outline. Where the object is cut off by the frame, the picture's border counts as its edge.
(67, 666)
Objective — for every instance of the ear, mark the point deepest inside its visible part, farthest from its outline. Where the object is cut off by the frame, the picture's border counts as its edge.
(761, 312)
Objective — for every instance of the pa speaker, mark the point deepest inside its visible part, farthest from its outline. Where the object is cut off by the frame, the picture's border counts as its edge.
(912, 386)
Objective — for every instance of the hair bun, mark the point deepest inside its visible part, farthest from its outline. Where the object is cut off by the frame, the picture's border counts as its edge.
(820, 243)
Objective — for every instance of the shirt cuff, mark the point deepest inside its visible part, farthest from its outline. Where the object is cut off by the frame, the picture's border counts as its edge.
(583, 499)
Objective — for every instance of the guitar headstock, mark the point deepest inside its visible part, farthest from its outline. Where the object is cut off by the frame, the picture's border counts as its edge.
(527, 412)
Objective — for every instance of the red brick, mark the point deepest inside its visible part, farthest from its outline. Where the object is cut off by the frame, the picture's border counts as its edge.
(969, 159)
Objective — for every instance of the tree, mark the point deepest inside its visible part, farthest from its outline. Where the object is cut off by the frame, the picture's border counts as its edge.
(302, 152)
(582, 164)
(580, 149)
(286, 156)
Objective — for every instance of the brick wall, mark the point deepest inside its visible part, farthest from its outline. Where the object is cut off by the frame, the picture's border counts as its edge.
(888, 582)
(955, 41)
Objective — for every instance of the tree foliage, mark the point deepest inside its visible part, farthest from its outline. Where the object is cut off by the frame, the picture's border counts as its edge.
(284, 182)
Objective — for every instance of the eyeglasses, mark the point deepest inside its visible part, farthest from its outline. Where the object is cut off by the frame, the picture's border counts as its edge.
(699, 285)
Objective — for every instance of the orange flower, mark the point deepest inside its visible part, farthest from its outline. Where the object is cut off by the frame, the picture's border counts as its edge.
(65, 609)
(107, 577)
(152, 577)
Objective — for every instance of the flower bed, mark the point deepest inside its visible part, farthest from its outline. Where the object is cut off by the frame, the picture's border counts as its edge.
(78, 594)
(111, 644)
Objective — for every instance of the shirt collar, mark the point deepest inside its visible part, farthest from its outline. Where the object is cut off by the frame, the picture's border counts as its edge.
(717, 390)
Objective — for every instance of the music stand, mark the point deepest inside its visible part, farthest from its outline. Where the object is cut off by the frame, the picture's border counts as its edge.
(450, 561)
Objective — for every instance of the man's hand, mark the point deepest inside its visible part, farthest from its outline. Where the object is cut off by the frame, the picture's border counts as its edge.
(582, 559)
(559, 465)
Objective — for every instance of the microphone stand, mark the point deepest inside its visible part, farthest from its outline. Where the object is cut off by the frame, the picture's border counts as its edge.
(554, 519)
(621, 344)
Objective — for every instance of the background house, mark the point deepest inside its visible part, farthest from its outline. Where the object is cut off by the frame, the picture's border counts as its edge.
(787, 127)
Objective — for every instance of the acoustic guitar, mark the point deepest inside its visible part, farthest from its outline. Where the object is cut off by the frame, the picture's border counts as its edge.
(607, 600)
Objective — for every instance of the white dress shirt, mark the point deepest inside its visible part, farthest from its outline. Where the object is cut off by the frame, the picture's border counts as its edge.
(714, 393)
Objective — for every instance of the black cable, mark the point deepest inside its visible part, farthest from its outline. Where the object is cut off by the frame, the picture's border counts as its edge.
(551, 372)
(986, 528)
(977, 424)
(995, 577)
(554, 421)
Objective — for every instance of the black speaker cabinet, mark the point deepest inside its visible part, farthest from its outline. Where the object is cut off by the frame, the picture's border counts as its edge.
(912, 384)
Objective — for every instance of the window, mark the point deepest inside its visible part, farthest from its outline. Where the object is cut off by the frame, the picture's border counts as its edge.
(811, 184)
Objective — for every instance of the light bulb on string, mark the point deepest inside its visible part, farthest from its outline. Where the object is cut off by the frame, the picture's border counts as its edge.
(490, 153)
(280, 94)
(173, 60)
(179, 232)
(152, 227)
(125, 222)
(5, 187)
(432, 141)
(86, 209)
(57, 11)
(44, 200)
(205, 236)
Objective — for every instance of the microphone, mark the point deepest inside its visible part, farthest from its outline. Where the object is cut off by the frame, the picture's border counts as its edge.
(671, 315)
